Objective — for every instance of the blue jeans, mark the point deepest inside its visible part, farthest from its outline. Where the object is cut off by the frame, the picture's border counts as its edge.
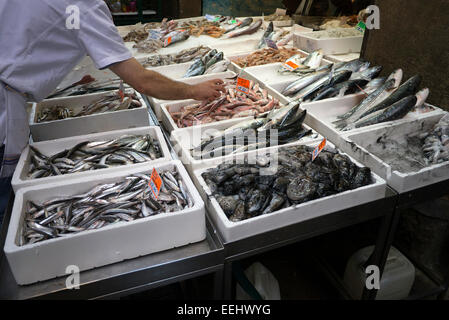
(5, 189)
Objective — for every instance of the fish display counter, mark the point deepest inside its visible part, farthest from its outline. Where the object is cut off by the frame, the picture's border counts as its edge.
(105, 219)
(89, 155)
(85, 114)
(408, 155)
(279, 197)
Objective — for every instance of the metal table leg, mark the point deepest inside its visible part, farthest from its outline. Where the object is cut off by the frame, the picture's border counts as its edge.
(384, 241)
(227, 281)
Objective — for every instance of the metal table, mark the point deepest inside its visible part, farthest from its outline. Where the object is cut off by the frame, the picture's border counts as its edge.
(126, 277)
(383, 208)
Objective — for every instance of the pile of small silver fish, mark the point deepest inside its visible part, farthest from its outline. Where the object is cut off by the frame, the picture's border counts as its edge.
(211, 62)
(321, 82)
(249, 189)
(232, 104)
(103, 205)
(390, 101)
(278, 127)
(108, 103)
(436, 143)
(185, 55)
(89, 155)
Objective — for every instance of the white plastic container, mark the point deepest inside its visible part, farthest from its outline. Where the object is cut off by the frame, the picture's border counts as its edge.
(94, 248)
(156, 103)
(309, 42)
(397, 279)
(232, 231)
(184, 139)
(94, 123)
(297, 31)
(177, 71)
(20, 178)
(269, 74)
(321, 114)
(361, 146)
(170, 125)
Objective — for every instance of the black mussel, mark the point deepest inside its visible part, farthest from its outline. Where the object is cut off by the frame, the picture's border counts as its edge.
(280, 184)
(255, 201)
(265, 179)
(239, 212)
(228, 204)
(301, 189)
(362, 178)
(277, 200)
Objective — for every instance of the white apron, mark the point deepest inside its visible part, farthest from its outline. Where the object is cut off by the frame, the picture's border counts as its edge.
(13, 108)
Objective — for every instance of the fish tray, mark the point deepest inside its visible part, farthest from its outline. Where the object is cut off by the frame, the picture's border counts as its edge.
(307, 42)
(156, 103)
(321, 114)
(281, 85)
(360, 145)
(170, 125)
(177, 71)
(269, 74)
(183, 139)
(232, 231)
(95, 248)
(94, 123)
(20, 178)
(343, 57)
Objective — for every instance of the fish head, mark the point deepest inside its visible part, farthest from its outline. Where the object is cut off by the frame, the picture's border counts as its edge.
(363, 66)
(421, 97)
(396, 76)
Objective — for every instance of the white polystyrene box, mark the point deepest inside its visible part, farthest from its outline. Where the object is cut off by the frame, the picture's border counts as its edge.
(232, 231)
(358, 144)
(170, 125)
(321, 114)
(95, 248)
(156, 103)
(309, 43)
(94, 123)
(183, 139)
(20, 178)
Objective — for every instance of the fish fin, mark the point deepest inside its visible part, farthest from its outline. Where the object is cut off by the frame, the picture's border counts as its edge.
(340, 124)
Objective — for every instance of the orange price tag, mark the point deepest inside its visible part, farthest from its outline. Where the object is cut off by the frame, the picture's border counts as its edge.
(155, 183)
(318, 149)
(121, 92)
(291, 65)
(167, 41)
(243, 85)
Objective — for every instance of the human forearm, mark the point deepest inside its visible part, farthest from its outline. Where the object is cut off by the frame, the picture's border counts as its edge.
(156, 85)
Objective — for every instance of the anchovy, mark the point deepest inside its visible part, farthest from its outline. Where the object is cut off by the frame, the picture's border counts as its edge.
(88, 155)
(126, 200)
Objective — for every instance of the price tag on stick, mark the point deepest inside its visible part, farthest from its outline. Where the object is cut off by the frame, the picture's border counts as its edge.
(290, 65)
(155, 183)
(318, 149)
(167, 42)
(243, 85)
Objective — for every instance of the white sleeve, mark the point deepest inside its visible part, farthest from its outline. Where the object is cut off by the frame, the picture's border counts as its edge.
(99, 36)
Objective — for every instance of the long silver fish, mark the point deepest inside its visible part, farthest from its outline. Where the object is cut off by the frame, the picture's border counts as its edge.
(370, 101)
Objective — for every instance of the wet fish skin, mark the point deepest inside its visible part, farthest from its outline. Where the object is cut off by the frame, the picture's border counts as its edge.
(396, 111)
(371, 100)
(409, 87)
(249, 30)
